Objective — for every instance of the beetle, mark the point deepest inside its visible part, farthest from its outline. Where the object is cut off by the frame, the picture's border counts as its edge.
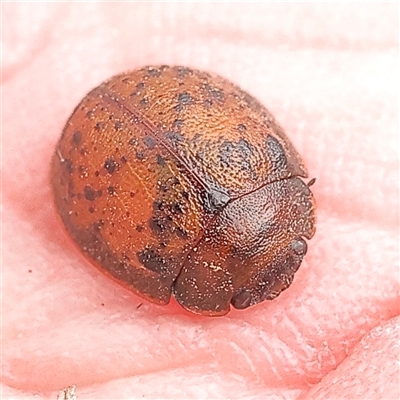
(175, 181)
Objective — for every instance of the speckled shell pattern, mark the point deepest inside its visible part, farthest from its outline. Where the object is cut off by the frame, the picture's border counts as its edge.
(176, 181)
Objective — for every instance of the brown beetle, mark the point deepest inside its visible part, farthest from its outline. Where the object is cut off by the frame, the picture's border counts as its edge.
(175, 180)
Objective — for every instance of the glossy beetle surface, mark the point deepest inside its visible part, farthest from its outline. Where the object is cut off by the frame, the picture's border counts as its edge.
(173, 180)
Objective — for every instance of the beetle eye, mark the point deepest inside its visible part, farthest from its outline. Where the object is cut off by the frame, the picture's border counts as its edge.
(242, 299)
(299, 246)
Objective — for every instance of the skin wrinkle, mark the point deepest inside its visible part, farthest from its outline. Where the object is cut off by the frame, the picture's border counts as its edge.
(242, 353)
(272, 364)
(290, 350)
(370, 370)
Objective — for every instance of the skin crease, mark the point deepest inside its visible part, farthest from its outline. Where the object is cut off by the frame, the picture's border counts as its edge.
(327, 72)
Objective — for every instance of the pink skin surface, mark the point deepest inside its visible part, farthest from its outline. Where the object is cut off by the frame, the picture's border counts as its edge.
(329, 74)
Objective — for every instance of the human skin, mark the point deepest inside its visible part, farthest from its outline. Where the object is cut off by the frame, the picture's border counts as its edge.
(328, 73)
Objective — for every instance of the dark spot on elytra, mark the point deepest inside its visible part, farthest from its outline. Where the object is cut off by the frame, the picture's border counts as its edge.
(177, 124)
(174, 136)
(216, 93)
(110, 165)
(181, 233)
(200, 155)
(236, 152)
(251, 102)
(208, 103)
(185, 195)
(132, 193)
(71, 189)
(225, 152)
(177, 208)
(245, 150)
(99, 126)
(197, 137)
(139, 228)
(118, 125)
(144, 102)
(154, 72)
(174, 181)
(83, 151)
(67, 164)
(82, 169)
(89, 193)
(160, 160)
(149, 142)
(140, 86)
(275, 153)
(241, 128)
(156, 225)
(181, 72)
(162, 186)
(96, 173)
(124, 159)
(152, 260)
(158, 205)
(91, 209)
(76, 138)
(185, 99)
(111, 190)
(90, 114)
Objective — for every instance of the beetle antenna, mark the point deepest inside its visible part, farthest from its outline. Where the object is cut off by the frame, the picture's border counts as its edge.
(311, 182)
